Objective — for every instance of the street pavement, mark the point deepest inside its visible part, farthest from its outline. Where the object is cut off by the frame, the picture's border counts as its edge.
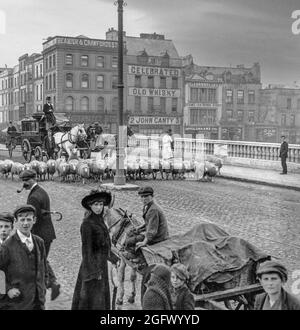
(265, 214)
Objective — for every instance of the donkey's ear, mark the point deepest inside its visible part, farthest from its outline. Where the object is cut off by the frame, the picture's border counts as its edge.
(112, 201)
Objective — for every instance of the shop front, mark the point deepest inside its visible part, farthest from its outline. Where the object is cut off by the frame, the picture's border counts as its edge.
(209, 132)
(149, 125)
(266, 134)
(232, 133)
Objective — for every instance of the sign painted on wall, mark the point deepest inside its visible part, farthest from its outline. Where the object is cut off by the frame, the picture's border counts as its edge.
(203, 85)
(203, 105)
(153, 71)
(81, 42)
(149, 120)
(134, 91)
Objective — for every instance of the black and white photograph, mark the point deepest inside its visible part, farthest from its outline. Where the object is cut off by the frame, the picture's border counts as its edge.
(149, 157)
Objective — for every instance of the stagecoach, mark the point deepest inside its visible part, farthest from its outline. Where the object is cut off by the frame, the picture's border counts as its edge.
(222, 267)
(33, 134)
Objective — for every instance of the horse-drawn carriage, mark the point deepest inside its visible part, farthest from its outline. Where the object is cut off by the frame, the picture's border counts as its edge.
(222, 267)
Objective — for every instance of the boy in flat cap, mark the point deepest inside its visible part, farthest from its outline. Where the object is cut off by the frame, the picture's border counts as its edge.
(155, 228)
(272, 276)
(23, 260)
(43, 226)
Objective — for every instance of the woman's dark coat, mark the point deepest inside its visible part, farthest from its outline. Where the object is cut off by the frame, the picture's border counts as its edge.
(92, 286)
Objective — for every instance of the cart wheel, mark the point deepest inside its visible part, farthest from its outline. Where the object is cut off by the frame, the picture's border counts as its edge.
(26, 150)
(38, 153)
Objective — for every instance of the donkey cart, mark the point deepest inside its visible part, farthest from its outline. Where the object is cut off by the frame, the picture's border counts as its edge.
(222, 267)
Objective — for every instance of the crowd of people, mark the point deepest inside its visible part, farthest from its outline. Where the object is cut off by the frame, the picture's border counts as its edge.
(27, 233)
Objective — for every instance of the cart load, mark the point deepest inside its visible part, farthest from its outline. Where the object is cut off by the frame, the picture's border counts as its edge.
(215, 260)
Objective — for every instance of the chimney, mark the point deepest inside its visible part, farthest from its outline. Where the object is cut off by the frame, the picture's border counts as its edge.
(112, 34)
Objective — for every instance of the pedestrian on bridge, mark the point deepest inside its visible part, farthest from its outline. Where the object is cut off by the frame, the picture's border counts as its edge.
(283, 154)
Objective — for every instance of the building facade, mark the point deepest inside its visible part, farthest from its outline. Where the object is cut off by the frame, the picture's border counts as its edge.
(279, 114)
(153, 83)
(38, 83)
(240, 88)
(80, 76)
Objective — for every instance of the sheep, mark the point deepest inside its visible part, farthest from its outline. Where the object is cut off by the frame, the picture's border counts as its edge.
(63, 170)
(218, 162)
(6, 167)
(42, 170)
(210, 171)
(97, 169)
(51, 168)
(16, 169)
(83, 170)
(73, 166)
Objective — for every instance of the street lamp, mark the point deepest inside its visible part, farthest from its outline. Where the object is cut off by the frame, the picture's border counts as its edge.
(119, 178)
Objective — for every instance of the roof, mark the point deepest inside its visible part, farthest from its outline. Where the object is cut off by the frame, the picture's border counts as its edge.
(153, 47)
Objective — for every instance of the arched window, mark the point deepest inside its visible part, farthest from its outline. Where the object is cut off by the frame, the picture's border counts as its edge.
(69, 80)
(85, 81)
(100, 104)
(115, 104)
(69, 103)
(84, 104)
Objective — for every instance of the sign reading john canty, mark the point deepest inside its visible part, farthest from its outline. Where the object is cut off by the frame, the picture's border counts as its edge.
(148, 120)
(153, 71)
(134, 91)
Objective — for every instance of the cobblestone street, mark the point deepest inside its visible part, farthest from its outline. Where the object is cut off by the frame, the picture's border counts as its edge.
(265, 216)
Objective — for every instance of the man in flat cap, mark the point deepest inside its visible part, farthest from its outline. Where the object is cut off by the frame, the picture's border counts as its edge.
(155, 228)
(23, 260)
(43, 227)
(272, 276)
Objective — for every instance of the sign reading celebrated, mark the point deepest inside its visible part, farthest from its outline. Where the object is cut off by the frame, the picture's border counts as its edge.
(134, 91)
(148, 120)
(153, 71)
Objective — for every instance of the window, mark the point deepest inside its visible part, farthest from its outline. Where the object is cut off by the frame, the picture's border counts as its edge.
(84, 60)
(69, 59)
(100, 61)
(229, 96)
(150, 81)
(54, 80)
(203, 95)
(53, 60)
(46, 64)
(41, 92)
(240, 97)
(298, 104)
(138, 81)
(84, 104)
(50, 81)
(174, 82)
(69, 80)
(163, 104)
(100, 104)
(137, 103)
(289, 103)
(229, 114)
(174, 104)
(100, 82)
(163, 82)
(240, 115)
(251, 116)
(114, 82)
(41, 69)
(46, 82)
(292, 120)
(150, 104)
(283, 120)
(37, 92)
(85, 81)
(69, 103)
(251, 97)
(114, 62)
(202, 116)
(36, 71)
(50, 61)
(115, 104)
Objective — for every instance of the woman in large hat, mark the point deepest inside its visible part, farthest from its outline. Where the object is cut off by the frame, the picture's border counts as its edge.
(92, 286)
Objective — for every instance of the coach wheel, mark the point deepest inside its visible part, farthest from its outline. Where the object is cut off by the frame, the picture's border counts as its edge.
(38, 153)
(26, 150)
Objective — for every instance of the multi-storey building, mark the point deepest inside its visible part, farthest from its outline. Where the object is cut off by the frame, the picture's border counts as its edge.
(5, 94)
(38, 83)
(279, 114)
(153, 83)
(239, 101)
(80, 75)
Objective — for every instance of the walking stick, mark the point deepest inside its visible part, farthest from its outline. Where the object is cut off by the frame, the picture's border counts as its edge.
(113, 275)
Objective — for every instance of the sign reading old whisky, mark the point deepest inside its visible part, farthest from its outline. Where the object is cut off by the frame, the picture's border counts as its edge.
(148, 120)
(134, 91)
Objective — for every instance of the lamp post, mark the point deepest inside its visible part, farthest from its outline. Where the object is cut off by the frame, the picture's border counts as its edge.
(119, 178)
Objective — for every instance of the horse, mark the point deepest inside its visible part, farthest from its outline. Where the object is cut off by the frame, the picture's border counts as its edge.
(68, 140)
(119, 223)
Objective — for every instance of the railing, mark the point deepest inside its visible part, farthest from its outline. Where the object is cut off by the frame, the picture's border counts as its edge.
(232, 149)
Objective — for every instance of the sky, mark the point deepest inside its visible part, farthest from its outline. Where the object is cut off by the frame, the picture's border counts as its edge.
(214, 32)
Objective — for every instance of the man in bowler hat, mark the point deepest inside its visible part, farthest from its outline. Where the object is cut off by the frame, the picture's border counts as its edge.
(43, 227)
(48, 111)
(283, 154)
(23, 260)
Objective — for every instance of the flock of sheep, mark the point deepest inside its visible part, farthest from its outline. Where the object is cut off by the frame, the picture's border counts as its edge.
(100, 169)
